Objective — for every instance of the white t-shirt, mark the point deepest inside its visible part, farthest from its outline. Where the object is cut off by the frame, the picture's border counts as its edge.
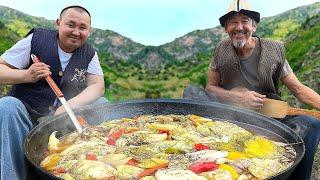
(19, 55)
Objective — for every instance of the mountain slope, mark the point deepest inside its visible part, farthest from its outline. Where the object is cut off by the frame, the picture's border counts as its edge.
(279, 26)
(303, 54)
(7, 39)
(20, 22)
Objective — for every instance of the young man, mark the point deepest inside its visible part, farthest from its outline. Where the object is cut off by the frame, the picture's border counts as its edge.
(246, 69)
(72, 63)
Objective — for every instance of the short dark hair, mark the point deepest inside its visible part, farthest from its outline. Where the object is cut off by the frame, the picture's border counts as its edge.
(76, 7)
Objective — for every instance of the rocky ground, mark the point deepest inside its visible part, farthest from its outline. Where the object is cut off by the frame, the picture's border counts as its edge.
(316, 166)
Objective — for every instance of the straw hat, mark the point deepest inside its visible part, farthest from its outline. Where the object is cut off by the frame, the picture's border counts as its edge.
(239, 6)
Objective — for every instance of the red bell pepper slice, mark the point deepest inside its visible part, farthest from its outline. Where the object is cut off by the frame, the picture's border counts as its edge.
(203, 167)
(114, 136)
(82, 121)
(169, 137)
(151, 171)
(164, 132)
(117, 134)
(111, 178)
(132, 162)
(91, 157)
(200, 147)
(60, 170)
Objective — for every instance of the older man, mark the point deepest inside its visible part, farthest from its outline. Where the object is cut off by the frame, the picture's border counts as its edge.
(246, 69)
(73, 65)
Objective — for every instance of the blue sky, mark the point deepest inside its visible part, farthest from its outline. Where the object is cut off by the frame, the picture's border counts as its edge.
(151, 22)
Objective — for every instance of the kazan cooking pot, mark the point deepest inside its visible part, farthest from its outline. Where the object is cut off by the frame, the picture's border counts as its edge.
(37, 140)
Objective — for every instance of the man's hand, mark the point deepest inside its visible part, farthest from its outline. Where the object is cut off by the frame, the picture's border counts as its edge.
(251, 100)
(239, 96)
(37, 71)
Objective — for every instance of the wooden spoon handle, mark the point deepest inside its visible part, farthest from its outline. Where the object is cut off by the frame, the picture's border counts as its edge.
(298, 111)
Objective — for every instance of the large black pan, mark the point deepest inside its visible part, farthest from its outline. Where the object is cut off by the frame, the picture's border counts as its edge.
(36, 141)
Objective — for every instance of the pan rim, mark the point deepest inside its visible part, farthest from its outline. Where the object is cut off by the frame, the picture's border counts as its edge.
(180, 101)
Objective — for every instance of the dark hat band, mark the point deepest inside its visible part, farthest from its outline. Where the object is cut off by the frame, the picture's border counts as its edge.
(252, 14)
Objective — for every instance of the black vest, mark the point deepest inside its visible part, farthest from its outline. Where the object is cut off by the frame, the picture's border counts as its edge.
(38, 97)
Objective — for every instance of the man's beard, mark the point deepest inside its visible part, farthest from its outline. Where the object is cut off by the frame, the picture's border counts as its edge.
(240, 43)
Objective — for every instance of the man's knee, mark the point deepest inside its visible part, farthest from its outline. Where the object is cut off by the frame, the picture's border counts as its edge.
(9, 105)
(304, 125)
(310, 121)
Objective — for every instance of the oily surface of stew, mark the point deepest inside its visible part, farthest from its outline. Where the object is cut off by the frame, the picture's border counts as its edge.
(166, 147)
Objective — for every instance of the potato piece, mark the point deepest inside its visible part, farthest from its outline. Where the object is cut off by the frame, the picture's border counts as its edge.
(127, 172)
(86, 169)
(53, 142)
